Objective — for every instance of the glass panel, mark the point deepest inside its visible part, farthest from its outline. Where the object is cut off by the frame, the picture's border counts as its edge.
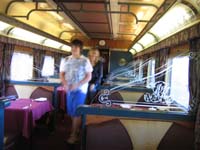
(62, 62)
(173, 20)
(137, 47)
(53, 44)
(21, 66)
(26, 36)
(147, 39)
(3, 26)
(66, 48)
(133, 52)
(179, 80)
(48, 66)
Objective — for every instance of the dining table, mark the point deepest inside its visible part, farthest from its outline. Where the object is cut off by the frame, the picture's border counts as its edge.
(22, 114)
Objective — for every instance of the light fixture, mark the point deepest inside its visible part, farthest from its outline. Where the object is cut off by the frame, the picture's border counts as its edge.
(52, 43)
(138, 47)
(147, 39)
(26, 35)
(173, 20)
(140, 14)
(4, 26)
(66, 48)
(132, 51)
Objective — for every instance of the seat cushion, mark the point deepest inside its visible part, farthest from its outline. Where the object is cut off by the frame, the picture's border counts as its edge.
(109, 135)
(177, 137)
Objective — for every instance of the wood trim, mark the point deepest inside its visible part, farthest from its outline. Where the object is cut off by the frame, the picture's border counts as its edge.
(180, 49)
(23, 49)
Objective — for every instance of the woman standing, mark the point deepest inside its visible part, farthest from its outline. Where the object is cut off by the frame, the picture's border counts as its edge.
(97, 74)
(75, 73)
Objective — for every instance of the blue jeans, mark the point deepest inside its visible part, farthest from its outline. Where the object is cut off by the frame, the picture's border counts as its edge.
(74, 99)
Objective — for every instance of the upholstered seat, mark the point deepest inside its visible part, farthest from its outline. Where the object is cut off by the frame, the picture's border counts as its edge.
(177, 137)
(108, 135)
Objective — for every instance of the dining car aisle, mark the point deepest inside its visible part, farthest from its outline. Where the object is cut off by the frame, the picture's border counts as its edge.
(44, 140)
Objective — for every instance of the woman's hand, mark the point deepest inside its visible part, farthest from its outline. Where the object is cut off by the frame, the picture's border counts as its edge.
(92, 86)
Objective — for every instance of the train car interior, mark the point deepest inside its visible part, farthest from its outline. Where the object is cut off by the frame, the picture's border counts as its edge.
(100, 74)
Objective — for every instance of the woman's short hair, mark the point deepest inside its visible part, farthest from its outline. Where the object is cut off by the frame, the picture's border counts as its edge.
(78, 43)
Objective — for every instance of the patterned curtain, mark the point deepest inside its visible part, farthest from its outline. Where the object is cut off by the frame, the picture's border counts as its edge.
(38, 56)
(194, 86)
(57, 57)
(6, 52)
(145, 69)
(161, 57)
(1, 68)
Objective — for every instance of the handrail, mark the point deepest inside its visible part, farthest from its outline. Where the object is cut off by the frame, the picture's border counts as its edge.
(117, 112)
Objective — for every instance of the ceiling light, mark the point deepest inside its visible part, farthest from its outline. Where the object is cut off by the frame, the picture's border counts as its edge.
(132, 51)
(138, 47)
(173, 20)
(26, 35)
(147, 39)
(4, 26)
(52, 43)
(140, 15)
(66, 48)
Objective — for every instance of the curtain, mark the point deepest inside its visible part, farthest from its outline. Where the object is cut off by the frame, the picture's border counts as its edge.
(1, 68)
(6, 52)
(161, 57)
(145, 69)
(57, 57)
(38, 60)
(194, 86)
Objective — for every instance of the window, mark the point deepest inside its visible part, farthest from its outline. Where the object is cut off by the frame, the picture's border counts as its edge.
(140, 69)
(179, 80)
(62, 61)
(48, 66)
(151, 73)
(21, 66)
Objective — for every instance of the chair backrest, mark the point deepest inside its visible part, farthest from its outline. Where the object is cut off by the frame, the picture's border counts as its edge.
(10, 90)
(42, 92)
(109, 135)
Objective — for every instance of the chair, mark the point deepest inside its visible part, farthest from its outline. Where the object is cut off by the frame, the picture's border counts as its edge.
(108, 135)
(42, 92)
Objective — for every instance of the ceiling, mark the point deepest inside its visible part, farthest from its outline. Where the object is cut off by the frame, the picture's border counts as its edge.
(113, 19)
(119, 22)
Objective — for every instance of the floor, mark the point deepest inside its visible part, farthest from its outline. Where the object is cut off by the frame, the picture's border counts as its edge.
(44, 140)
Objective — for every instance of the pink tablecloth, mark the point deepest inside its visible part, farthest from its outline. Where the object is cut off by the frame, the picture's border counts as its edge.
(21, 115)
(61, 93)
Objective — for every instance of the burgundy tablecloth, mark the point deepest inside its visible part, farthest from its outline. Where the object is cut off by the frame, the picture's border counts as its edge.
(61, 93)
(21, 115)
